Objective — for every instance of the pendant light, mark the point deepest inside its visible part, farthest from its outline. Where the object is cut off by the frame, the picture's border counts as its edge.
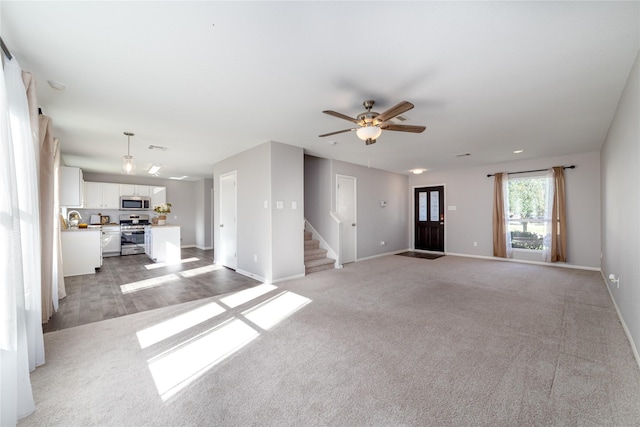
(128, 165)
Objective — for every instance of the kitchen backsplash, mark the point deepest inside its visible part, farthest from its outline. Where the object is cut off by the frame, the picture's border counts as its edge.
(114, 214)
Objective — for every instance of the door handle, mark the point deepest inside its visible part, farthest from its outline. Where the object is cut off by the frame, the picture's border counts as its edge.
(353, 224)
(221, 225)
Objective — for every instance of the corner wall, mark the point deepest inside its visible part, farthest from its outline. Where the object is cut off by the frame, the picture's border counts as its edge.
(620, 164)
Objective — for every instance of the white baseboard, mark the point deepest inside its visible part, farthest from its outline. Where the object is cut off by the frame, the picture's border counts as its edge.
(624, 325)
(204, 248)
(187, 246)
(384, 254)
(524, 261)
(284, 279)
(253, 276)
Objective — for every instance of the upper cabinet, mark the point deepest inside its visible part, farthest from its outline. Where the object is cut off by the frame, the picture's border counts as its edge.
(71, 187)
(135, 190)
(102, 195)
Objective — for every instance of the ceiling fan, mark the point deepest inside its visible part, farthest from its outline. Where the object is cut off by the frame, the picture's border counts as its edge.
(371, 124)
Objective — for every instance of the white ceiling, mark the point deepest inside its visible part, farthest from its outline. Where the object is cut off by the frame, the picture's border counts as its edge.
(211, 79)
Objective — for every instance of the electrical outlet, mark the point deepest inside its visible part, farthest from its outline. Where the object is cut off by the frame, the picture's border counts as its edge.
(475, 243)
(382, 243)
(255, 258)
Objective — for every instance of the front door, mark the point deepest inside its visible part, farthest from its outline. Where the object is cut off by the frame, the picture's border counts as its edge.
(228, 228)
(346, 209)
(429, 218)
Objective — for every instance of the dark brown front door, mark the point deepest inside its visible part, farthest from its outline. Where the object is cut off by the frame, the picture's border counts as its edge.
(429, 214)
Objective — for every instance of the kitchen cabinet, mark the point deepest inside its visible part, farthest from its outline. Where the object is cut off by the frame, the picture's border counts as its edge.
(81, 251)
(158, 196)
(162, 243)
(102, 195)
(71, 187)
(135, 190)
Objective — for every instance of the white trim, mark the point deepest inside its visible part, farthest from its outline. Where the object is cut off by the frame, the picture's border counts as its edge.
(204, 248)
(384, 254)
(524, 261)
(188, 246)
(634, 348)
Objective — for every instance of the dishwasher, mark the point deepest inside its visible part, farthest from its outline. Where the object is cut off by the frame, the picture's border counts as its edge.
(110, 240)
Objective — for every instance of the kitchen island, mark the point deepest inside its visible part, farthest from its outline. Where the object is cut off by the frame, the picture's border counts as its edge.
(81, 250)
(162, 243)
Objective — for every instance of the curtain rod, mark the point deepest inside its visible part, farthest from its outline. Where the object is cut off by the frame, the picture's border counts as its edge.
(5, 49)
(537, 170)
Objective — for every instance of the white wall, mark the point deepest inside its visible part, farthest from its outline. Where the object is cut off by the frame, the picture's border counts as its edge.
(261, 240)
(181, 195)
(471, 192)
(620, 165)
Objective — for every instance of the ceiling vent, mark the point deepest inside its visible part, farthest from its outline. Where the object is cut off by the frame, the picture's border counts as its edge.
(463, 154)
(157, 147)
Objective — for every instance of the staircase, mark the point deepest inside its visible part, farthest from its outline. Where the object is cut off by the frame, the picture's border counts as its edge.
(315, 259)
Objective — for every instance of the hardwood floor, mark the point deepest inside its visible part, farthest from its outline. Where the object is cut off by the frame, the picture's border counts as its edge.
(130, 284)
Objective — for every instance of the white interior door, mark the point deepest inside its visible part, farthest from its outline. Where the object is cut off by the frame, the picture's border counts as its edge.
(346, 210)
(228, 226)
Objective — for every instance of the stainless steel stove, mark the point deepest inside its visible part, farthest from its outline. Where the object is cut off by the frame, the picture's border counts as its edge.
(132, 233)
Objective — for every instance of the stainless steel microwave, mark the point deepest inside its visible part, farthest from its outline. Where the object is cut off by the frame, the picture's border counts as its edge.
(135, 203)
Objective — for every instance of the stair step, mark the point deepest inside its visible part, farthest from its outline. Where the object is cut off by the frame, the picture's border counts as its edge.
(311, 254)
(311, 244)
(316, 265)
(308, 235)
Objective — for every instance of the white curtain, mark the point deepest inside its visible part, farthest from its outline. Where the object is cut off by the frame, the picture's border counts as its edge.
(548, 216)
(21, 340)
(505, 195)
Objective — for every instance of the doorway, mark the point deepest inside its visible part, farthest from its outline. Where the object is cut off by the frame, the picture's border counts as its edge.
(346, 210)
(429, 218)
(228, 217)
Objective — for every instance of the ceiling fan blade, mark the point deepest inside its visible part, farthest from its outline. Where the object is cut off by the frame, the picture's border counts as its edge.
(395, 111)
(340, 115)
(403, 128)
(337, 132)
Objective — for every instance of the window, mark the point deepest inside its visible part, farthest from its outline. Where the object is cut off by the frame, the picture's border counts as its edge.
(529, 211)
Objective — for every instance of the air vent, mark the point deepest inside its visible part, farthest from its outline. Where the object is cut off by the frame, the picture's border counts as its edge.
(157, 147)
(463, 154)
(398, 119)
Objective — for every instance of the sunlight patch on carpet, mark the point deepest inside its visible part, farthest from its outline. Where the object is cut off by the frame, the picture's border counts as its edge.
(148, 283)
(163, 330)
(200, 270)
(164, 264)
(246, 295)
(273, 311)
(179, 367)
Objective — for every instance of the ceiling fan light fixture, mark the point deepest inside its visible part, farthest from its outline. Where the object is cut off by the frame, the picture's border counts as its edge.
(369, 132)
(128, 164)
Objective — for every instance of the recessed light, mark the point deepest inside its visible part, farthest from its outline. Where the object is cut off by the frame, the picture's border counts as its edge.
(417, 171)
(178, 177)
(56, 85)
(518, 151)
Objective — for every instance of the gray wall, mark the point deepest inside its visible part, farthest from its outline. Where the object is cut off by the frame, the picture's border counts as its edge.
(264, 235)
(203, 214)
(620, 162)
(471, 192)
(375, 223)
(181, 195)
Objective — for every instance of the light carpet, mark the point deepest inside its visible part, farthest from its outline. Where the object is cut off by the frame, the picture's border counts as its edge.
(393, 341)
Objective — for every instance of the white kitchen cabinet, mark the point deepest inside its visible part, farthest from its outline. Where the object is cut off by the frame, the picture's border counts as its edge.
(135, 190)
(162, 243)
(81, 251)
(71, 187)
(158, 196)
(102, 195)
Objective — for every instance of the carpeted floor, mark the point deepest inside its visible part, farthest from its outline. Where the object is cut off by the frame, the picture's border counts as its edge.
(385, 342)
